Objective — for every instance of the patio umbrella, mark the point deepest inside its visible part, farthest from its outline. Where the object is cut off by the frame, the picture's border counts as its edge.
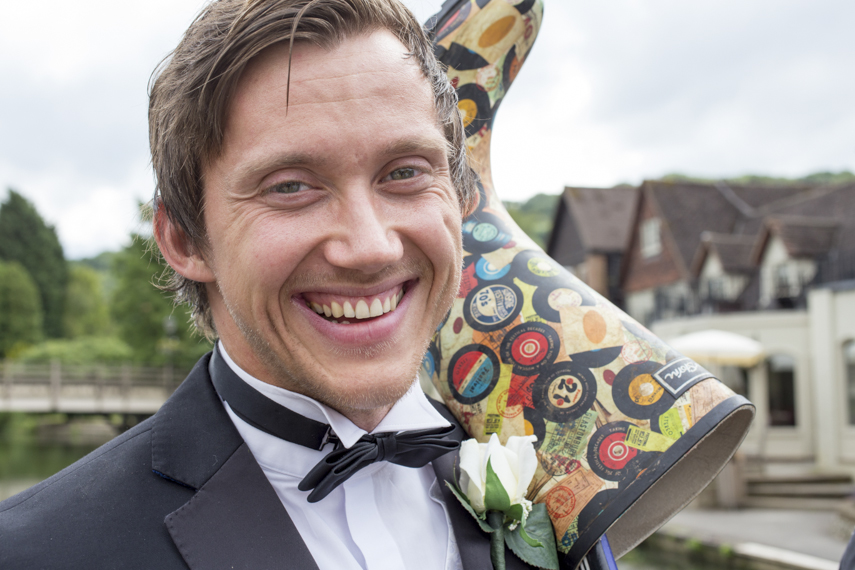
(719, 347)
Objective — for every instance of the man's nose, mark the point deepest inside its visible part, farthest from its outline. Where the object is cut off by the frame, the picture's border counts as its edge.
(365, 237)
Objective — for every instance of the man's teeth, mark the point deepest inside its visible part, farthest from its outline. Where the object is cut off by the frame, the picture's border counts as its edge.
(361, 311)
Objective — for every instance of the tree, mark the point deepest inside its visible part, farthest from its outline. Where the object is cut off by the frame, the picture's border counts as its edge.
(535, 216)
(27, 239)
(20, 308)
(86, 311)
(142, 312)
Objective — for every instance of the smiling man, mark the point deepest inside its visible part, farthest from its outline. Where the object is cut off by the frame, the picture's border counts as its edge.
(311, 181)
(333, 227)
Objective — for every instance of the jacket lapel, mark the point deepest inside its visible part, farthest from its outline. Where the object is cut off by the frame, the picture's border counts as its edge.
(235, 519)
(474, 543)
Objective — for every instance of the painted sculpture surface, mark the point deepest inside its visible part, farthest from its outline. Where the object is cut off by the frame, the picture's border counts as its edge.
(528, 348)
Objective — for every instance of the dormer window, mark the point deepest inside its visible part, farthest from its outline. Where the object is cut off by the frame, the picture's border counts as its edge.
(651, 241)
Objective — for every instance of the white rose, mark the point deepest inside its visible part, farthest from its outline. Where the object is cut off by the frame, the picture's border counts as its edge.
(514, 464)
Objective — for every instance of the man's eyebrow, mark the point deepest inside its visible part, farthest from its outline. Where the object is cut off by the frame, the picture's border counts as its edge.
(404, 146)
(416, 145)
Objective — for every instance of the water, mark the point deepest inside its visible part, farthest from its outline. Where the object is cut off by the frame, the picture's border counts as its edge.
(26, 458)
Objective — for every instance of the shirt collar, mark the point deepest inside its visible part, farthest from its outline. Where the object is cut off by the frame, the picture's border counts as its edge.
(411, 412)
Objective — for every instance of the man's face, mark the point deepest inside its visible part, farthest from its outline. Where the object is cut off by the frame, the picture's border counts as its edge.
(342, 201)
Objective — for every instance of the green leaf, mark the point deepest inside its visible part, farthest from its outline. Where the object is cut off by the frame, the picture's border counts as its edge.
(538, 527)
(495, 497)
(515, 513)
(466, 505)
(529, 540)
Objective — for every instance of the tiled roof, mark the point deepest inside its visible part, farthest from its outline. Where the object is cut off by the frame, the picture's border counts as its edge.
(725, 211)
(603, 216)
(804, 237)
(734, 252)
(835, 203)
(688, 209)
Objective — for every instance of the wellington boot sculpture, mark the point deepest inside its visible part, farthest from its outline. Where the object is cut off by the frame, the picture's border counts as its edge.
(628, 430)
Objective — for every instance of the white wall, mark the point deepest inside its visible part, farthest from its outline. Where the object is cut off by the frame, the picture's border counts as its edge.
(783, 332)
(777, 265)
(832, 318)
(713, 270)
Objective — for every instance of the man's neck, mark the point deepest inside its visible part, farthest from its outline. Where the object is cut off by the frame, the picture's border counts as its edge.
(364, 418)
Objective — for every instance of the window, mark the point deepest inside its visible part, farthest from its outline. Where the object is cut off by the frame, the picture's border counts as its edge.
(651, 242)
(849, 371)
(782, 390)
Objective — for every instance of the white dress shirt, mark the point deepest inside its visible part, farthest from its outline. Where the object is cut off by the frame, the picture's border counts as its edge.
(385, 516)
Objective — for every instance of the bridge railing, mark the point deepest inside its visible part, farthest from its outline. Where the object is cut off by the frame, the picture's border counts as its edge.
(58, 387)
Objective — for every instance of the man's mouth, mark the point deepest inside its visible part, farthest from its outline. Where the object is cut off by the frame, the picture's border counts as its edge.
(344, 310)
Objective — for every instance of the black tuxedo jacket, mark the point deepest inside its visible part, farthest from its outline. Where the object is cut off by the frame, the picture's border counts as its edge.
(179, 490)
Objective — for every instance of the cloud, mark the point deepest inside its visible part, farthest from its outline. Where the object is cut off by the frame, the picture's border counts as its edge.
(613, 91)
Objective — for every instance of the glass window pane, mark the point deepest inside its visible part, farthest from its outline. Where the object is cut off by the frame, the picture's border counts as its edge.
(782, 390)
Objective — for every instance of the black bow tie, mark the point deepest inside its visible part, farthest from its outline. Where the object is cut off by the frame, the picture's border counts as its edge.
(410, 448)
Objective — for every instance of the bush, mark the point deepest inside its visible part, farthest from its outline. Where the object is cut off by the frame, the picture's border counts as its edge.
(20, 308)
(84, 350)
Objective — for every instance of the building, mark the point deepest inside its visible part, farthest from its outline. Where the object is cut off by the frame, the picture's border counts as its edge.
(773, 263)
(590, 235)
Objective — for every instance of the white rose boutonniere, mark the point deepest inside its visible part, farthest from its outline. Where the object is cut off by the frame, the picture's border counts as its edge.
(494, 480)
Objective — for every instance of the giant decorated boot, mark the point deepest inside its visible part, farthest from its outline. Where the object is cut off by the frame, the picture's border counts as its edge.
(628, 430)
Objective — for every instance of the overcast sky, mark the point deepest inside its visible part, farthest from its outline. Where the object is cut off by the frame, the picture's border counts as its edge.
(614, 91)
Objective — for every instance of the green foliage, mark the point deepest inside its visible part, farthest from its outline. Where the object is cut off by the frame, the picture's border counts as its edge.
(817, 178)
(86, 311)
(27, 239)
(535, 216)
(20, 308)
(142, 312)
(103, 264)
(84, 350)
(538, 530)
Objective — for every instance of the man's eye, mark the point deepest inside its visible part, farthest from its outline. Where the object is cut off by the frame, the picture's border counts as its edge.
(402, 174)
(290, 187)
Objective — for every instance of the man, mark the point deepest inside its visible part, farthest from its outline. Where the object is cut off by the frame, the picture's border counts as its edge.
(311, 181)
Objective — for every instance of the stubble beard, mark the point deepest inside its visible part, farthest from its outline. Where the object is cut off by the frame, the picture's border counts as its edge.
(325, 390)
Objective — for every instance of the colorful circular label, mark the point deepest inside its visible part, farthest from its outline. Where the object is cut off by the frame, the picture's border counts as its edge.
(566, 392)
(542, 267)
(472, 373)
(638, 394)
(564, 298)
(468, 111)
(492, 307)
(487, 271)
(608, 453)
(644, 390)
(485, 231)
(529, 347)
(615, 453)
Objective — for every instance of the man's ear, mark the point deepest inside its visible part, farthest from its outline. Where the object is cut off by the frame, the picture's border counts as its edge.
(179, 253)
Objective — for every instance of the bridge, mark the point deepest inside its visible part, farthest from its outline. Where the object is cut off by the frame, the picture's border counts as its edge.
(86, 389)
